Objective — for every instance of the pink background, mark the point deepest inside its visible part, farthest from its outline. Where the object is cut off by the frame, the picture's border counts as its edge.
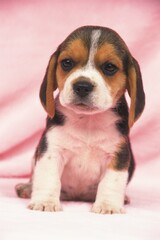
(30, 31)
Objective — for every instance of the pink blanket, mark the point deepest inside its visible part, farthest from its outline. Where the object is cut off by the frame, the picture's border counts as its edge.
(29, 32)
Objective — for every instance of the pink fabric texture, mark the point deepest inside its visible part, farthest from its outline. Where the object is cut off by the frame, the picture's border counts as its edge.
(30, 31)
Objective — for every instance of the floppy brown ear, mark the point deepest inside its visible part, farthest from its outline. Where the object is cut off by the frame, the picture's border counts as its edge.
(136, 92)
(48, 86)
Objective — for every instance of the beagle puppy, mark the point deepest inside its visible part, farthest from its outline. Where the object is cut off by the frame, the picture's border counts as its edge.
(84, 153)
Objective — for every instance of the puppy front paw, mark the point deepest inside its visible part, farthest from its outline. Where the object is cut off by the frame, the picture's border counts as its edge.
(47, 206)
(107, 208)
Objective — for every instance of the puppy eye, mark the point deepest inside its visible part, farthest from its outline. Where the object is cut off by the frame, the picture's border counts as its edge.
(109, 69)
(67, 64)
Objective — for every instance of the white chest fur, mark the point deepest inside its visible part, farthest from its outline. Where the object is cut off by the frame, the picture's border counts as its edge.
(85, 144)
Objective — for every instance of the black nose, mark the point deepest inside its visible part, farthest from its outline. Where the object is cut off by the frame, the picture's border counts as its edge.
(82, 88)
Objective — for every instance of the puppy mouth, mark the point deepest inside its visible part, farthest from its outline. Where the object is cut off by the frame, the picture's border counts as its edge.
(83, 107)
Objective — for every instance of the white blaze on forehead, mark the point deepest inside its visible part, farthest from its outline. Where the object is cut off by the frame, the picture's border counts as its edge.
(94, 43)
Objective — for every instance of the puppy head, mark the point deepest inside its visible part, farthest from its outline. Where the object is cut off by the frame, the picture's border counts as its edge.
(92, 69)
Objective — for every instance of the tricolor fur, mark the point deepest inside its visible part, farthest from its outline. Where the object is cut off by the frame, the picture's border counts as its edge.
(85, 153)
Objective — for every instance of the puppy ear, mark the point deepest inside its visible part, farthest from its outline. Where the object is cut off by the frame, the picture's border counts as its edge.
(136, 92)
(48, 86)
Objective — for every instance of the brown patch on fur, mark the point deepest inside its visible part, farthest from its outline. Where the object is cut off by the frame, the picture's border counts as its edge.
(48, 86)
(132, 91)
(107, 53)
(24, 190)
(121, 159)
(78, 53)
(117, 82)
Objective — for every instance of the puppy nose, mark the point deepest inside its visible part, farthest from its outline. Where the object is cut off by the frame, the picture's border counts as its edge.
(82, 88)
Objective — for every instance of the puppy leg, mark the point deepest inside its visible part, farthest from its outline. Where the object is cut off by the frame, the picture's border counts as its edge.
(46, 183)
(111, 189)
(111, 193)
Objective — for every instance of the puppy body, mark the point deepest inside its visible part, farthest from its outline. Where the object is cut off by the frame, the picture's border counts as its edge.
(84, 153)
